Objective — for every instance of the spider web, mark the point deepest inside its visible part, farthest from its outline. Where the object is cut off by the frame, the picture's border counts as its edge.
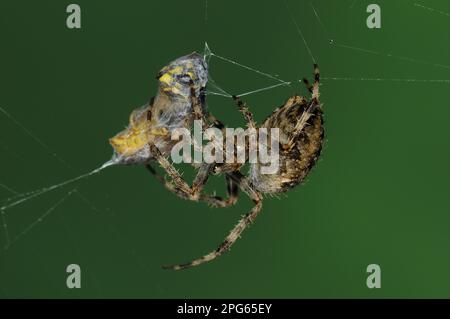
(16, 199)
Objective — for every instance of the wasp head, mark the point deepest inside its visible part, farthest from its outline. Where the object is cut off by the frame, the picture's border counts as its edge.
(176, 79)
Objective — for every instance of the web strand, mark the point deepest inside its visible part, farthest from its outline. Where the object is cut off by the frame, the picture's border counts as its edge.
(20, 198)
(218, 94)
(208, 53)
(87, 201)
(5, 228)
(10, 152)
(384, 79)
(263, 89)
(389, 55)
(319, 19)
(34, 137)
(299, 31)
(432, 9)
(39, 219)
(373, 52)
(30, 195)
(206, 12)
(9, 189)
(216, 86)
(273, 77)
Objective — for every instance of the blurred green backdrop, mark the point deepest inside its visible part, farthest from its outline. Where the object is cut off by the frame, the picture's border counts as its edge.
(379, 194)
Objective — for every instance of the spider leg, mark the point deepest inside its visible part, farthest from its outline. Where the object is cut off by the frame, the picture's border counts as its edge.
(232, 187)
(201, 178)
(158, 177)
(245, 111)
(181, 188)
(214, 201)
(232, 190)
(180, 185)
(301, 123)
(315, 89)
(214, 122)
(167, 184)
(217, 201)
(308, 85)
(236, 232)
(197, 106)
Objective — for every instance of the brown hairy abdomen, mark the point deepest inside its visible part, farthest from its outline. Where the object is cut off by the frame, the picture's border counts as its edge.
(298, 154)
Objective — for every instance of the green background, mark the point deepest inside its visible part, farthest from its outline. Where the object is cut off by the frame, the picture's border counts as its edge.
(379, 194)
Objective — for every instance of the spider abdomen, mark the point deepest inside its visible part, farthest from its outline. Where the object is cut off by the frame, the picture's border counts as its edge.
(299, 149)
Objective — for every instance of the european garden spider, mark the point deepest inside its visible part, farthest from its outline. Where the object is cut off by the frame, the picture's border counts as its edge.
(180, 100)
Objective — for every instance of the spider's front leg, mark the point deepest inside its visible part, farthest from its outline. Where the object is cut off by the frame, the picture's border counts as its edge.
(236, 232)
(196, 104)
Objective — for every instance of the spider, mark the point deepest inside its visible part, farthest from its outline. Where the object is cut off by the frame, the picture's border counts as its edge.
(299, 120)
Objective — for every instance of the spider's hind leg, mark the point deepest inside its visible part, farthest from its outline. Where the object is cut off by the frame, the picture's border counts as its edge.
(236, 232)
